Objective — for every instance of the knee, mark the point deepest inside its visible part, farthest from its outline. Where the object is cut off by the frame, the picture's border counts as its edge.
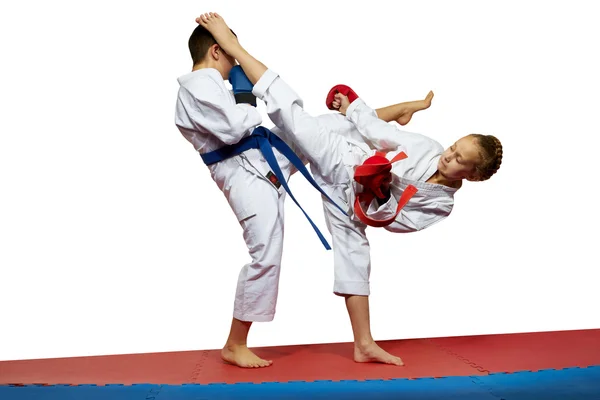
(266, 248)
(352, 263)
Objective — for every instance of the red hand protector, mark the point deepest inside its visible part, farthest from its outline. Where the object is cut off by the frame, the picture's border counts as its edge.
(343, 89)
(371, 175)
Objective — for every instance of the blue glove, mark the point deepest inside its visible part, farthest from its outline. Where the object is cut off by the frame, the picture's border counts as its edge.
(242, 87)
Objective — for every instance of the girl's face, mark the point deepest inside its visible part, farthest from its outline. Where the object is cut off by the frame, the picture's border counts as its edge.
(460, 159)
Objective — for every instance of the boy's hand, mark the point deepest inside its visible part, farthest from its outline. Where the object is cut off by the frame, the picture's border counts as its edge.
(242, 87)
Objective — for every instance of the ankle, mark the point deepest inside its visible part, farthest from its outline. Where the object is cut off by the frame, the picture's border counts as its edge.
(231, 345)
(238, 52)
(363, 343)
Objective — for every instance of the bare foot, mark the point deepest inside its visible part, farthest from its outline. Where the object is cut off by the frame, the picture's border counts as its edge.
(414, 107)
(373, 353)
(241, 356)
(216, 25)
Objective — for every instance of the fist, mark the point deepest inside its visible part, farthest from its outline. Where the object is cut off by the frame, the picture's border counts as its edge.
(341, 103)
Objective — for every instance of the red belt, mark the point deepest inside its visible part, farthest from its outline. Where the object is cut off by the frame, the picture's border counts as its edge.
(372, 174)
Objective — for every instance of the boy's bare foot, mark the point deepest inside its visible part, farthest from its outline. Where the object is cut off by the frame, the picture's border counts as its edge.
(241, 356)
(371, 352)
(413, 107)
(216, 25)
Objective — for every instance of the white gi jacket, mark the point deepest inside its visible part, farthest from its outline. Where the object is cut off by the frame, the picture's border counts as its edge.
(208, 117)
(432, 203)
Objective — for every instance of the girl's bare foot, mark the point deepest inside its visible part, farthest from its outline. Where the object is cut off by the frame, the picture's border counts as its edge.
(413, 107)
(241, 356)
(371, 352)
(216, 25)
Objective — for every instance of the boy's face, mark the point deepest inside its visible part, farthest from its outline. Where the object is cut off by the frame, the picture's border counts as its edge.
(226, 62)
(460, 159)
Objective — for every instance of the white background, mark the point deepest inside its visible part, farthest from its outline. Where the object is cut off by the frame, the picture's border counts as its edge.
(114, 239)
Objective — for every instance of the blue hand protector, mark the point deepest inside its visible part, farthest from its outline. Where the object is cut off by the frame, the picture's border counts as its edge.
(242, 87)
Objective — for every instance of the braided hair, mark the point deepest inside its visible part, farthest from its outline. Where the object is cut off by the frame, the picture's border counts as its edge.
(491, 153)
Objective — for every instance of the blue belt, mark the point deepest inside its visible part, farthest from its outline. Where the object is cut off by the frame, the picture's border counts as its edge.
(263, 139)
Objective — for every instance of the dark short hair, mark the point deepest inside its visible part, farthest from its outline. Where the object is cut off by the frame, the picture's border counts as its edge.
(199, 42)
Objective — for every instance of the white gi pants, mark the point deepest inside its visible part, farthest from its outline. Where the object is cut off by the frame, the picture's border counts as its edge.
(259, 208)
(329, 155)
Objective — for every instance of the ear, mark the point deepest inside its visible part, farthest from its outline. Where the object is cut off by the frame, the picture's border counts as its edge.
(474, 177)
(215, 51)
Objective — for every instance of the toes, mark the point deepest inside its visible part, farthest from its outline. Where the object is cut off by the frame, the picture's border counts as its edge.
(264, 363)
(207, 17)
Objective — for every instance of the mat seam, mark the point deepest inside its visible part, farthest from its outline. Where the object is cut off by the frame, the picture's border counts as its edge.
(486, 387)
(459, 357)
(152, 396)
(159, 386)
(198, 367)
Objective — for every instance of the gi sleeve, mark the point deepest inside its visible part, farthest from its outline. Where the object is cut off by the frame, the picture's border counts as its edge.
(377, 133)
(214, 113)
(401, 224)
(383, 211)
(421, 218)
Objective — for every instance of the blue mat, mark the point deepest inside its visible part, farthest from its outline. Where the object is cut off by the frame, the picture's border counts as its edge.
(80, 392)
(422, 389)
(573, 383)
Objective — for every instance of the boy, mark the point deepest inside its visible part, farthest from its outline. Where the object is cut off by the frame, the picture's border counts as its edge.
(224, 128)
(209, 117)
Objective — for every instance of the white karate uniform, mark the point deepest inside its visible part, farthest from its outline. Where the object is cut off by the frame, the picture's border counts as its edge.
(335, 145)
(209, 118)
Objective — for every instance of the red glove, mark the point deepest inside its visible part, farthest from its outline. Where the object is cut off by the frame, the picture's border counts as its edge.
(372, 174)
(343, 89)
